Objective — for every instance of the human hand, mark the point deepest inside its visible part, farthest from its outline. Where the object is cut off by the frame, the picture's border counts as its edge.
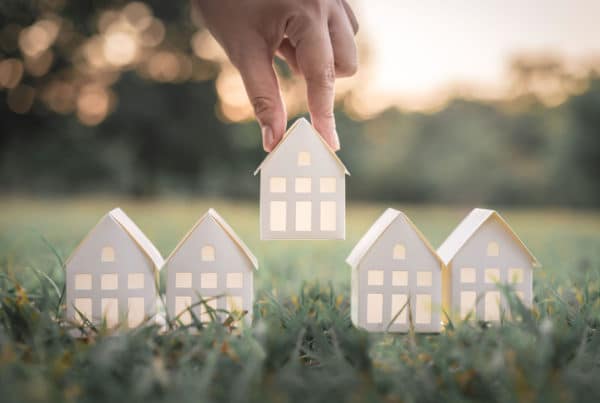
(316, 39)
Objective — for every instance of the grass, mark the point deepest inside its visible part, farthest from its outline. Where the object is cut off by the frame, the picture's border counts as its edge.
(302, 346)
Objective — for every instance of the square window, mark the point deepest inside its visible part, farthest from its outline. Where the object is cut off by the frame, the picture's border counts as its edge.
(515, 275)
(424, 278)
(328, 216)
(235, 280)
(108, 254)
(135, 311)
(399, 252)
(468, 275)
(181, 309)
(303, 159)
(374, 308)
(375, 277)
(468, 300)
(208, 253)
(492, 276)
(109, 281)
(327, 184)
(493, 249)
(277, 184)
(183, 280)
(205, 313)
(83, 281)
(303, 185)
(423, 311)
(234, 304)
(303, 215)
(135, 281)
(398, 303)
(399, 278)
(110, 311)
(208, 280)
(83, 305)
(492, 306)
(278, 216)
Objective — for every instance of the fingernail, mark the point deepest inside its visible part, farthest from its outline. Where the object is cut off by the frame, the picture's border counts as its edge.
(267, 135)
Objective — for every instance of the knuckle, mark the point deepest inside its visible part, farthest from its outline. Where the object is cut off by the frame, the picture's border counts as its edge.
(323, 78)
(262, 105)
(346, 68)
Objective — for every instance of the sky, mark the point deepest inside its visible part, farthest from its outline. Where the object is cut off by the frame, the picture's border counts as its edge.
(421, 48)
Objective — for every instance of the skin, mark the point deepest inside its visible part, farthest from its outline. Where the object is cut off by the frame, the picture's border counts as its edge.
(314, 37)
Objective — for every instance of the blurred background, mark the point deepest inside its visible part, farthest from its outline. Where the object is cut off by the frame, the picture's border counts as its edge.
(494, 102)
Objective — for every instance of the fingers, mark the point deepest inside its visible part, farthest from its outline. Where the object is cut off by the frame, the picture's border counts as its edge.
(287, 51)
(342, 41)
(351, 17)
(256, 69)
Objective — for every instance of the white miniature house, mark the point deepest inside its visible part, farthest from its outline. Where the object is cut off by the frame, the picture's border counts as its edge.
(481, 253)
(302, 188)
(394, 266)
(112, 275)
(213, 264)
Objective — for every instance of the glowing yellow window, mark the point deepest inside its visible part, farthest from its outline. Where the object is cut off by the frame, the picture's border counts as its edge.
(492, 306)
(327, 184)
(208, 280)
(303, 159)
(83, 281)
(492, 276)
(468, 275)
(424, 278)
(181, 309)
(493, 249)
(375, 277)
(399, 278)
(468, 300)
(374, 308)
(277, 184)
(303, 185)
(398, 303)
(208, 253)
(515, 275)
(108, 254)
(423, 309)
(399, 252)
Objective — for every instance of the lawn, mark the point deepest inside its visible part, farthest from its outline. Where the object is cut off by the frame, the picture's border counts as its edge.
(302, 346)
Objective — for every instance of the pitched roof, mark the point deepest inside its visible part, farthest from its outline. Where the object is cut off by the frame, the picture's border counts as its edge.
(302, 123)
(136, 234)
(468, 227)
(377, 229)
(212, 214)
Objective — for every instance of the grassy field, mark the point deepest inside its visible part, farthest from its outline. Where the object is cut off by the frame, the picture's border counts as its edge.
(302, 346)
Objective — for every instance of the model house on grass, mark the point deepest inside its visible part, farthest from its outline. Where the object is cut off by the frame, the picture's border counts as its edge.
(481, 253)
(213, 264)
(394, 266)
(112, 275)
(302, 188)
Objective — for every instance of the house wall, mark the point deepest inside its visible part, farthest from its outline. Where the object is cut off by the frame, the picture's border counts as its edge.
(229, 258)
(129, 259)
(417, 258)
(284, 163)
(474, 255)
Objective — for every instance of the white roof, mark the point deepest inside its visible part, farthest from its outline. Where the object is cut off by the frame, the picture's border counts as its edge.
(377, 229)
(211, 213)
(468, 227)
(299, 123)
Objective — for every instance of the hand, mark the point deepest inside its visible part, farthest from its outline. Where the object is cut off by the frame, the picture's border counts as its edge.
(315, 37)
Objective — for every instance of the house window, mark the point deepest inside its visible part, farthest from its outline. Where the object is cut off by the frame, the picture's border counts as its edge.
(303, 215)
(467, 303)
(277, 184)
(181, 309)
(278, 216)
(423, 309)
(206, 307)
(492, 306)
(135, 281)
(208, 253)
(235, 280)
(468, 275)
(328, 216)
(327, 185)
(398, 303)
(183, 280)
(515, 275)
(399, 278)
(110, 311)
(303, 159)
(83, 281)
(493, 249)
(374, 308)
(135, 311)
(208, 280)
(424, 278)
(492, 276)
(303, 185)
(107, 255)
(84, 306)
(375, 277)
(234, 304)
(109, 281)
(399, 252)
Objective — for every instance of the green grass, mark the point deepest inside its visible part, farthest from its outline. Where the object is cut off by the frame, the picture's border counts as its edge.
(302, 346)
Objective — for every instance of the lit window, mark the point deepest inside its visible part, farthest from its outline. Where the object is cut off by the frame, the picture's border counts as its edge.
(303, 159)
(424, 278)
(399, 278)
(208, 280)
(374, 308)
(423, 311)
(492, 305)
(109, 281)
(110, 311)
(205, 313)
(278, 216)
(83, 281)
(108, 254)
(303, 215)
(208, 253)
(183, 280)
(235, 280)
(277, 185)
(135, 281)
(468, 275)
(84, 306)
(181, 309)
(493, 249)
(327, 185)
(398, 303)
(399, 252)
(234, 304)
(135, 311)
(515, 275)
(467, 303)
(492, 276)
(328, 216)
(303, 185)
(375, 277)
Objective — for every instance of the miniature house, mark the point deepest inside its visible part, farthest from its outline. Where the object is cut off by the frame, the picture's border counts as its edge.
(482, 252)
(396, 278)
(112, 275)
(302, 188)
(211, 267)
